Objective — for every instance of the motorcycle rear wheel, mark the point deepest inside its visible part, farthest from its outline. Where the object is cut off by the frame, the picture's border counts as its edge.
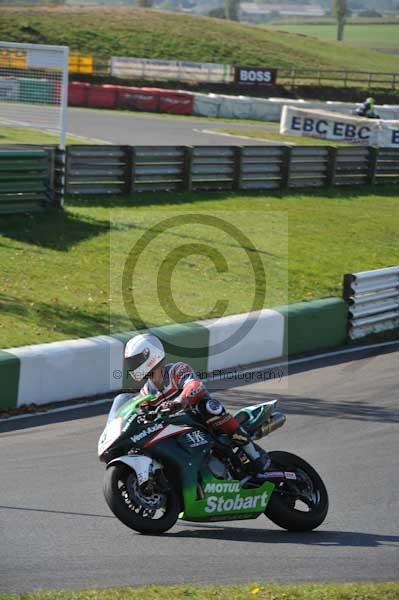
(122, 494)
(283, 508)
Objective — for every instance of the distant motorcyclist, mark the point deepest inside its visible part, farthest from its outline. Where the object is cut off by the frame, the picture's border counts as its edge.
(367, 109)
(176, 386)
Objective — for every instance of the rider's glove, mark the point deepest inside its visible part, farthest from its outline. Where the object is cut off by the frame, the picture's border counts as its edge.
(148, 404)
(177, 404)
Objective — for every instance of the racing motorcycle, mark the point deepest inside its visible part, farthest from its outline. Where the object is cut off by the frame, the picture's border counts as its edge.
(163, 465)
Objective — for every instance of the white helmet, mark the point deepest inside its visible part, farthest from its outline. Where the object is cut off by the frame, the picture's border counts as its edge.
(143, 353)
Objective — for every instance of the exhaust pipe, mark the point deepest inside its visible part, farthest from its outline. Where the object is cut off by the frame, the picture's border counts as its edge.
(276, 420)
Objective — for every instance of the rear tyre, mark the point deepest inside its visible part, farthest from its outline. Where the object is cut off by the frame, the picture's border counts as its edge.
(301, 504)
(146, 509)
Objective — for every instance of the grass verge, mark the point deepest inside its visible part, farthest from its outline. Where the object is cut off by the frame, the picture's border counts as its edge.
(278, 137)
(330, 591)
(55, 268)
(27, 135)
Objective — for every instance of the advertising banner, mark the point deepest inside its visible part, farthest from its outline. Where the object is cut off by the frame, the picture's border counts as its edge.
(13, 59)
(328, 126)
(388, 135)
(80, 63)
(169, 70)
(254, 76)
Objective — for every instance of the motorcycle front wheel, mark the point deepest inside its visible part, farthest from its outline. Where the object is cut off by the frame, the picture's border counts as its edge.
(299, 504)
(146, 509)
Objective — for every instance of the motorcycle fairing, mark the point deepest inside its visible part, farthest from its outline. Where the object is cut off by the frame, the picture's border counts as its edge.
(166, 432)
(251, 417)
(111, 433)
(204, 496)
(141, 465)
(224, 499)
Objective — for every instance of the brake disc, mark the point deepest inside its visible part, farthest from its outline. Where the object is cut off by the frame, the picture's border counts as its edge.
(146, 495)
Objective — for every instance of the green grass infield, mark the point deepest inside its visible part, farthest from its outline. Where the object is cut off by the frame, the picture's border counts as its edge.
(55, 267)
(28, 135)
(260, 591)
(275, 136)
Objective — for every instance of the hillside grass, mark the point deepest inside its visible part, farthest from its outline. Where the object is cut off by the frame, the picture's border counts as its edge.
(381, 37)
(261, 591)
(59, 270)
(120, 31)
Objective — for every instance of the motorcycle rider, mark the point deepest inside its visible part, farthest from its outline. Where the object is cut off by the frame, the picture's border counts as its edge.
(176, 386)
(367, 109)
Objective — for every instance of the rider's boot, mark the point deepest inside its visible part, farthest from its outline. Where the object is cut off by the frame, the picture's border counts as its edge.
(258, 458)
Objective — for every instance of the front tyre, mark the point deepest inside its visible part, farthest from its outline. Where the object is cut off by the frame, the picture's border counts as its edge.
(301, 504)
(149, 508)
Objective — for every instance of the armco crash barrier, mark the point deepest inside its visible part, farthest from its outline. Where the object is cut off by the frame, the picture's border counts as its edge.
(177, 103)
(77, 93)
(207, 105)
(72, 369)
(331, 126)
(270, 109)
(102, 96)
(130, 98)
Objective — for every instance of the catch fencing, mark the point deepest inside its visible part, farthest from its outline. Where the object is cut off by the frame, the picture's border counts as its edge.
(293, 77)
(130, 169)
(30, 179)
(373, 300)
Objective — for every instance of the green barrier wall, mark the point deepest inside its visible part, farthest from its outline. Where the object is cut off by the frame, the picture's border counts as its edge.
(188, 343)
(314, 325)
(40, 91)
(9, 378)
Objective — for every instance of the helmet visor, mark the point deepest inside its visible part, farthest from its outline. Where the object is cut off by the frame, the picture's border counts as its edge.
(135, 366)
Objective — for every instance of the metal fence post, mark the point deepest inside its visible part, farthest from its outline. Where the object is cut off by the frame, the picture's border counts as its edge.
(331, 165)
(187, 166)
(60, 176)
(346, 294)
(347, 287)
(372, 167)
(51, 176)
(286, 167)
(237, 168)
(129, 172)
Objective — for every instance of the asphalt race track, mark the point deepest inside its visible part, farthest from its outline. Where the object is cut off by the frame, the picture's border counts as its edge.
(343, 416)
(136, 129)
